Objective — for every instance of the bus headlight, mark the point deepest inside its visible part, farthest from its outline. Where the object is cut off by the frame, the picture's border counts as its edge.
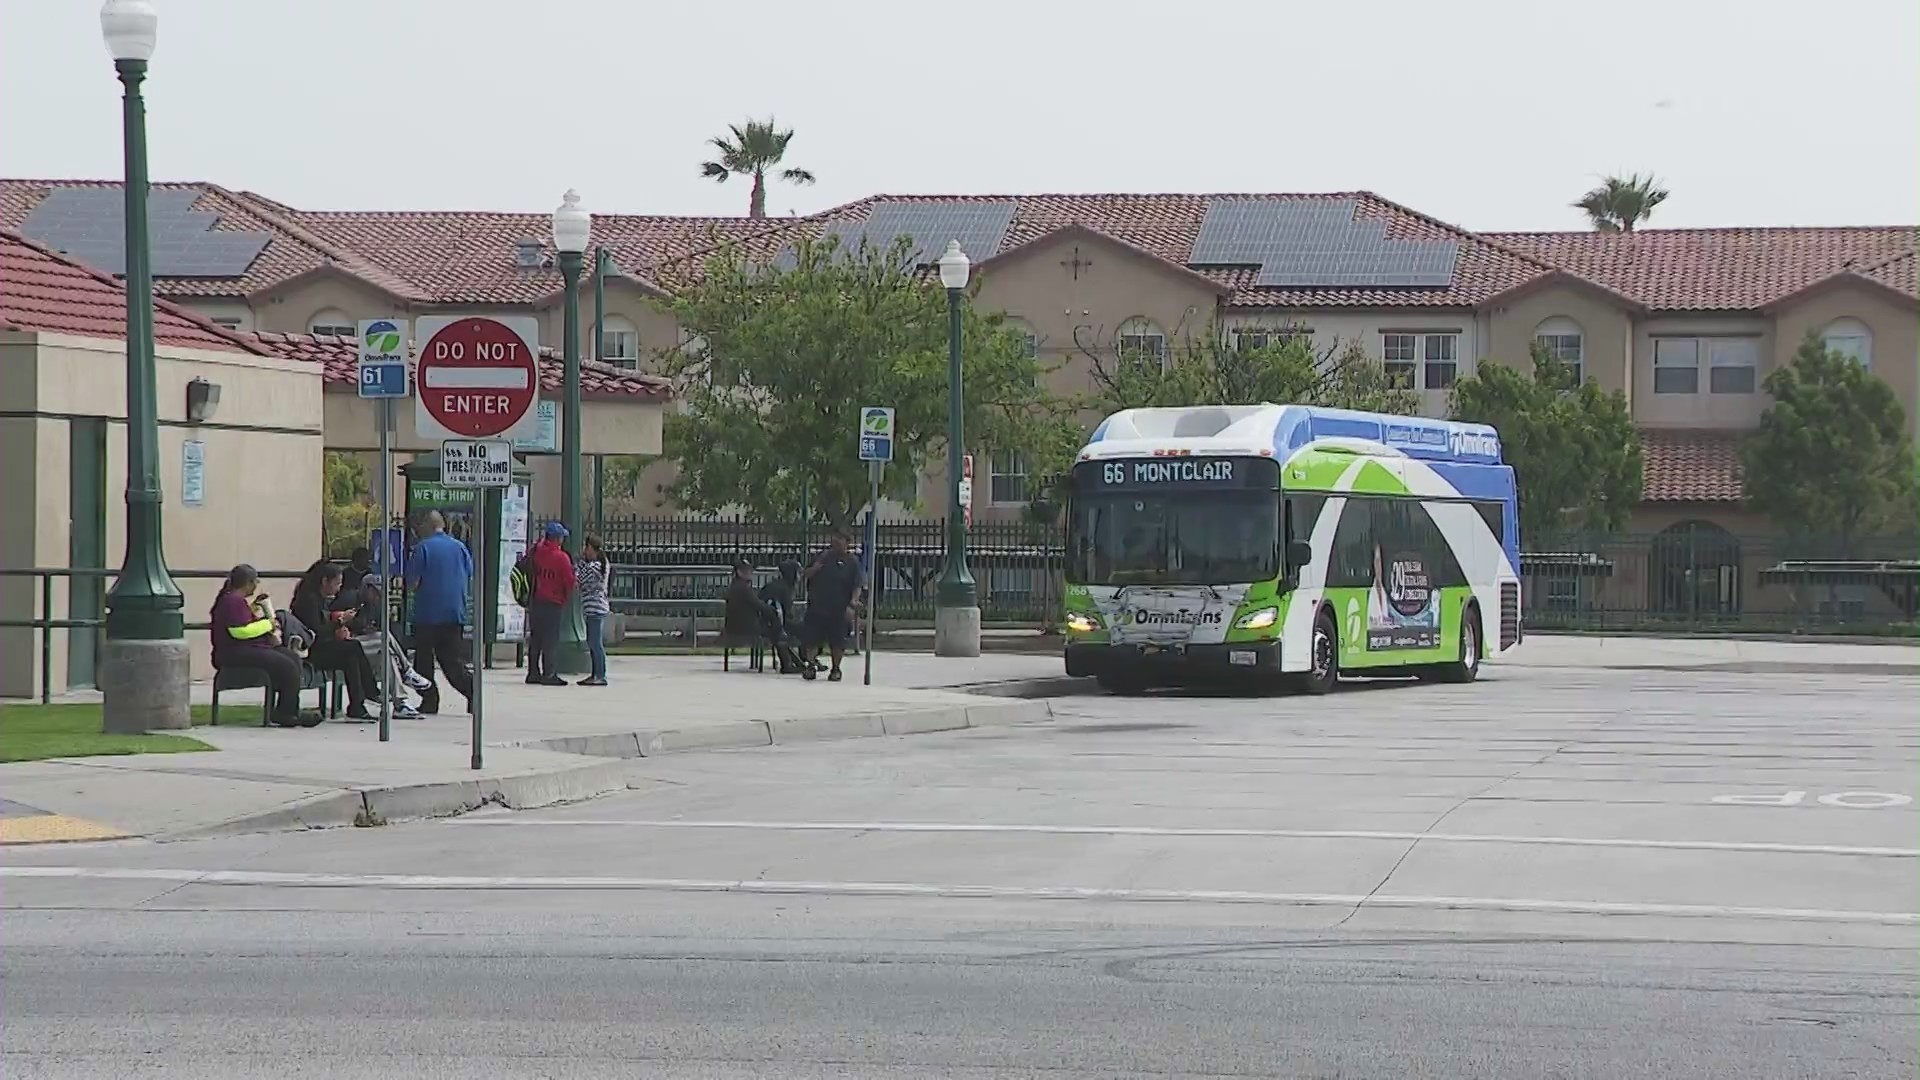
(1257, 620)
(1081, 623)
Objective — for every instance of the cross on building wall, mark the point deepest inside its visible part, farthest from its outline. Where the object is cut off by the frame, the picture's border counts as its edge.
(1076, 264)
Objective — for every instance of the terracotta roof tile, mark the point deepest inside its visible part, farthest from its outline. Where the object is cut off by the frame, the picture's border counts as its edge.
(290, 253)
(1902, 272)
(44, 291)
(339, 356)
(1167, 226)
(1720, 269)
(1690, 466)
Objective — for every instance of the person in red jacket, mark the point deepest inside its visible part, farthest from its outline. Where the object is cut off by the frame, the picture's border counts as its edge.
(553, 584)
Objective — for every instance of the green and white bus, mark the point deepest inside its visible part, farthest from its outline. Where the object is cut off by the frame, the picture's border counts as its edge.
(1290, 542)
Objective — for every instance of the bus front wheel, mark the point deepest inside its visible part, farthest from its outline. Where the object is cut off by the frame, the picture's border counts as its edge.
(1323, 670)
(1467, 668)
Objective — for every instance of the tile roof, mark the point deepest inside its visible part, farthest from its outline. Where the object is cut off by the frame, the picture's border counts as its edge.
(466, 258)
(1166, 226)
(1690, 466)
(290, 253)
(44, 291)
(1720, 269)
(339, 356)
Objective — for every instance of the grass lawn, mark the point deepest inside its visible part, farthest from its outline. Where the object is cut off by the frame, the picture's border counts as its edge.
(35, 732)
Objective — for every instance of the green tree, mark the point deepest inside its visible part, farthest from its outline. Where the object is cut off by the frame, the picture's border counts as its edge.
(1831, 455)
(781, 359)
(1210, 369)
(753, 149)
(1574, 450)
(1618, 204)
(347, 512)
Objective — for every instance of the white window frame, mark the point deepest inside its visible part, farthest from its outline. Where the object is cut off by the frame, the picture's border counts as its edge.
(1850, 337)
(1733, 355)
(1249, 338)
(1406, 356)
(1011, 466)
(618, 333)
(332, 321)
(1139, 341)
(1566, 341)
(1663, 362)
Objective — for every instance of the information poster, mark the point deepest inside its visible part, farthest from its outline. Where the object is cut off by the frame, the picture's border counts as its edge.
(515, 511)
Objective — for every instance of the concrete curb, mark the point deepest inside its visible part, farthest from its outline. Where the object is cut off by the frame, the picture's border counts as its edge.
(745, 734)
(403, 802)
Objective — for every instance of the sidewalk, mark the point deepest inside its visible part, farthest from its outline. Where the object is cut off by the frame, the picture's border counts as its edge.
(542, 745)
(556, 744)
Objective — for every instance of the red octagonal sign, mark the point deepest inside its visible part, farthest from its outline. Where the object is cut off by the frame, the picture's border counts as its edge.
(477, 376)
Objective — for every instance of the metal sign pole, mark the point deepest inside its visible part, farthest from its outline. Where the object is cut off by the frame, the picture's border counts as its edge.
(479, 534)
(385, 564)
(873, 566)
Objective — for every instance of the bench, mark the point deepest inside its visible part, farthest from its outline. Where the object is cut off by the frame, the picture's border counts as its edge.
(330, 684)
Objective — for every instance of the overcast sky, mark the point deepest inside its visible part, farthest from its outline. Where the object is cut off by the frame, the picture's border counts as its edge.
(1493, 114)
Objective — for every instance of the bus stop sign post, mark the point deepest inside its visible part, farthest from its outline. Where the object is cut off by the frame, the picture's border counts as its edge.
(382, 367)
(876, 449)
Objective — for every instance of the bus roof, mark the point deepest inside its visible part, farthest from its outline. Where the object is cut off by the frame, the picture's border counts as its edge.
(1279, 430)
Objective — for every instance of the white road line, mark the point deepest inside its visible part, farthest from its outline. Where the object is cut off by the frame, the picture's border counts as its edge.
(1149, 830)
(914, 889)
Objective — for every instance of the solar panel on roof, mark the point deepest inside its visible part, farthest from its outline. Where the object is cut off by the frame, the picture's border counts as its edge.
(89, 224)
(1316, 242)
(978, 226)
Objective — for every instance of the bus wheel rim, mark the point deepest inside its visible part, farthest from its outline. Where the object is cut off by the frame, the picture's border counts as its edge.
(1470, 648)
(1322, 652)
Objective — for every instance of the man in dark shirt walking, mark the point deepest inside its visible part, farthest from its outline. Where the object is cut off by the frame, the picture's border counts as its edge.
(835, 586)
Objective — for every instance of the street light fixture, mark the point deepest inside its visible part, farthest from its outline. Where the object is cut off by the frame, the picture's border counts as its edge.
(144, 676)
(572, 229)
(956, 616)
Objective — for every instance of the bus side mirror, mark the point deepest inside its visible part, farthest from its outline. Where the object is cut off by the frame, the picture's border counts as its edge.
(1299, 553)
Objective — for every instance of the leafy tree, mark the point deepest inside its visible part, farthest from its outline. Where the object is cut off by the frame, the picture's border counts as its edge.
(1574, 450)
(1831, 455)
(754, 149)
(347, 511)
(781, 359)
(1211, 370)
(1618, 204)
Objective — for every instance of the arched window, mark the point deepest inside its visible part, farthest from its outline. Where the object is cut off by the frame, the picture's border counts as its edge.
(1024, 332)
(333, 321)
(1695, 571)
(1140, 341)
(620, 342)
(1562, 337)
(1850, 337)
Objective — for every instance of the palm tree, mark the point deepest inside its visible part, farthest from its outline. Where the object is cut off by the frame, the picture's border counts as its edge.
(1618, 205)
(755, 148)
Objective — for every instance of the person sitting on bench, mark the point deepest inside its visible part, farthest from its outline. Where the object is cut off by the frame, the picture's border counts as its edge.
(245, 638)
(333, 646)
(363, 610)
(783, 628)
(747, 616)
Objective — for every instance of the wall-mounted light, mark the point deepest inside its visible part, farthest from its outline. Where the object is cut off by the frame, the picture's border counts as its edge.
(203, 398)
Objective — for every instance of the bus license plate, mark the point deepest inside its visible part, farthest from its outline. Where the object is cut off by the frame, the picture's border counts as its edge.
(1243, 658)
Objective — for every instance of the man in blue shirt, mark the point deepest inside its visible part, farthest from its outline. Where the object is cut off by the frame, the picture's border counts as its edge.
(438, 575)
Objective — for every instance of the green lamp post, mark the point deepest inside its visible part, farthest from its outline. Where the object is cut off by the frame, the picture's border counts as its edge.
(145, 674)
(956, 615)
(572, 228)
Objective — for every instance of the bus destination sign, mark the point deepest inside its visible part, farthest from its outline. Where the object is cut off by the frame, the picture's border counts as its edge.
(1185, 473)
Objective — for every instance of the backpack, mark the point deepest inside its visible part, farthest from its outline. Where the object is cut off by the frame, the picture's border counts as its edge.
(521, 580)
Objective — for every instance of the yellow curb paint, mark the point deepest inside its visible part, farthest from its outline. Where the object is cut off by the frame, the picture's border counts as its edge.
(54, 828)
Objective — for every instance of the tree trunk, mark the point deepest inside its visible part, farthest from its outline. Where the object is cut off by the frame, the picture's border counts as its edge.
(757, 208)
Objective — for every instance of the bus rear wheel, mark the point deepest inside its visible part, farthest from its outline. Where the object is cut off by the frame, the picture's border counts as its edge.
(1323, 670)
(1467, 668)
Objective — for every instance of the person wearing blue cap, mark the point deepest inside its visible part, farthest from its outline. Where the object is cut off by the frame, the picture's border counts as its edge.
(553, 583)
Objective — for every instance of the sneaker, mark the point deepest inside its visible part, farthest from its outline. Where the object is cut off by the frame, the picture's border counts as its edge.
(310, 719)
(834, 675)
(404, 711)
(535, 680)
(416, 682)
(553, 680)
(361, 714)
(592, 680)
(429, 704)
(809, 673)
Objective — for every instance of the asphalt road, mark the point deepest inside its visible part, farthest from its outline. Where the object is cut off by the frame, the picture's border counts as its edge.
(1554, 873)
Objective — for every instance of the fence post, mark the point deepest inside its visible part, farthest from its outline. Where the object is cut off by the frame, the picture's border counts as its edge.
(46, 638)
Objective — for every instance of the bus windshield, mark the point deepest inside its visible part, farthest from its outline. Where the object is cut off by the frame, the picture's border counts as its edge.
(1174, 538)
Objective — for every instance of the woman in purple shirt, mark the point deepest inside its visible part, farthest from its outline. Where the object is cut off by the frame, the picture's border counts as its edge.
(245, 637)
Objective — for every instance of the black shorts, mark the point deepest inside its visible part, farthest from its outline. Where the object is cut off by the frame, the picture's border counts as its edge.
(829, 631)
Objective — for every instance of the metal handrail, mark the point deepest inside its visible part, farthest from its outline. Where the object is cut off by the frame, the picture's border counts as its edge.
(46, 624)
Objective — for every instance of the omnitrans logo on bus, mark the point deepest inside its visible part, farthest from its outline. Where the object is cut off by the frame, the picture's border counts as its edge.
(1183, 617)
(1475, 443)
